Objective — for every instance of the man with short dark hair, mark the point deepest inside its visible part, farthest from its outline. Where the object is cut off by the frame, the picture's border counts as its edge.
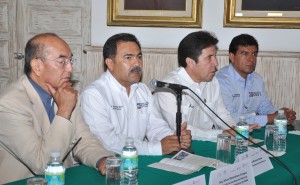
(243, 89)
(198, 65)
(117, 105)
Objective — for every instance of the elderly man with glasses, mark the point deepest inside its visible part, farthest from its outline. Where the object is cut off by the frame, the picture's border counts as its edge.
(39, 113)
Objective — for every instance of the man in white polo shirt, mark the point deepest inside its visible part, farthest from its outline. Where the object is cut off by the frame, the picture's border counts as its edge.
(117, 105)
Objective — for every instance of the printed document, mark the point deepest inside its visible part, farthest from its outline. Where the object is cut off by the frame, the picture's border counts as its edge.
(184, 163)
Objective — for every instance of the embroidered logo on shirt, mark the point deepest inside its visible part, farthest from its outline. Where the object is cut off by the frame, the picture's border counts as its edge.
(142, 105)
(116, 107)
(251, 94)
(236, 95)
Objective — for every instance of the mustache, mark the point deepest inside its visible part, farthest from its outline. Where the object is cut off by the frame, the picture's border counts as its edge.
(136, 69)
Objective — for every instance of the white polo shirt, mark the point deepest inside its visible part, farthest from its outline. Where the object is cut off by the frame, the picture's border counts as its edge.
(203, 124)
(112, 115)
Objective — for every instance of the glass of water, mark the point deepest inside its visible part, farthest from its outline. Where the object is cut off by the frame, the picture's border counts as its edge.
(113, 171)
(271, 133)
(223, 153)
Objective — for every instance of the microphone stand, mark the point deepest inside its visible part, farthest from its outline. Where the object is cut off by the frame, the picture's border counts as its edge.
(179, 117)
(178, 113)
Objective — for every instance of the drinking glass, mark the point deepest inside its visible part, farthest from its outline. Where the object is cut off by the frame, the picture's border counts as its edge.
(223, 153)
(113, 171)
(37, 181)
(271, 133)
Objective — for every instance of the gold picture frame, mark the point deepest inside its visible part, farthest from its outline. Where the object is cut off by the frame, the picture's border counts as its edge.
(191, 17)
(234, 16)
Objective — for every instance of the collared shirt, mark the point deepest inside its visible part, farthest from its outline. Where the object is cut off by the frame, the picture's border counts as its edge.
(245, 96)
(112, 115)
(46, 98)
(203, 124)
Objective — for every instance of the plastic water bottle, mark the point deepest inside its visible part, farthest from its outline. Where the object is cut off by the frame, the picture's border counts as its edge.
(241, 144)
(129, 163)
(281, 122)
(55, 171)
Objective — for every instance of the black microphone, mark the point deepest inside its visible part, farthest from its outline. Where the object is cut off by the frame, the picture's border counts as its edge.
(154, 83)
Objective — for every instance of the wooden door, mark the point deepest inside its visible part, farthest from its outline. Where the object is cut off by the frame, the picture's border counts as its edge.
(8, 65)
(70, 19)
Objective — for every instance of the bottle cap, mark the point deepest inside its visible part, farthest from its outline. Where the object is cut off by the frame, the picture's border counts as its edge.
(280, 111)
(55, 154)
(129, 140)
(242, 117)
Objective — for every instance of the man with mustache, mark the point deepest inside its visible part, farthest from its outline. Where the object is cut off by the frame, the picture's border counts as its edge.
(40, 114)
(198, 64)
(117, 105)
(243, 89)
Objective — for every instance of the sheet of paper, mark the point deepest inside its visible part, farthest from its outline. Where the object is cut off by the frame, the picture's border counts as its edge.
(199, 180)
(276, 154)
(238, 173)
(249, 143)
(296, 132)
(259, 160)
(184, 163)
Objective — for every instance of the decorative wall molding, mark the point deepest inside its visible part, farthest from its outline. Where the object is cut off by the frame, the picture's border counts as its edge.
(280, 70)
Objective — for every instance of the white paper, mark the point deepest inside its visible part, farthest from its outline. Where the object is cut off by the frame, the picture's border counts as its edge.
(199, 180)
(184, 163)
(276, 154)
(249, 143)
(239, 173)
(296, 132)
(259, 160)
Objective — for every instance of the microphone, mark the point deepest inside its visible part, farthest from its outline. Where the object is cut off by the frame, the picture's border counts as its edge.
(154, 83)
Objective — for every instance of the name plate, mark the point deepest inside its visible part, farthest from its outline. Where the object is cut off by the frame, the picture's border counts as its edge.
(199, 180)
(259, 160)
(238, 173)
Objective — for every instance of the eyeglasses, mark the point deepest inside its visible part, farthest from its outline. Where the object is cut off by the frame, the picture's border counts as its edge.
(65, 61)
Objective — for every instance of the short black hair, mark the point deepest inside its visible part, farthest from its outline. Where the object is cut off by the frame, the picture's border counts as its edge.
(110, 46)
(242, 40)
(192, 45)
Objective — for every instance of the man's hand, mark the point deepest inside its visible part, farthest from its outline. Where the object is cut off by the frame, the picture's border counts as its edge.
(102, 166)
(290, 115)
(169, 144)
(253, 127)
(65, 96)
(232, 132)
(185, 137)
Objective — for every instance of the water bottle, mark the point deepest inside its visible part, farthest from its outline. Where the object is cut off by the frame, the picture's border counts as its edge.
(241, 144)
(55, 171)
(129, 163)
(281, 122)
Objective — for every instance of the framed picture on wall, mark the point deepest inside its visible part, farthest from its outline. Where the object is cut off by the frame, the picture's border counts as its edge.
(155, 13)
(262, 13)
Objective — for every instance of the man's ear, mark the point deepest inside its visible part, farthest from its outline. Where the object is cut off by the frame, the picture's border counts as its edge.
(36, 66)
(189, 61)
(110, 64)
(231, 56)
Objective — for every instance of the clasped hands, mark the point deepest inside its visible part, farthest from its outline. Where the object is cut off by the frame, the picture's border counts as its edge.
(170, 143)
